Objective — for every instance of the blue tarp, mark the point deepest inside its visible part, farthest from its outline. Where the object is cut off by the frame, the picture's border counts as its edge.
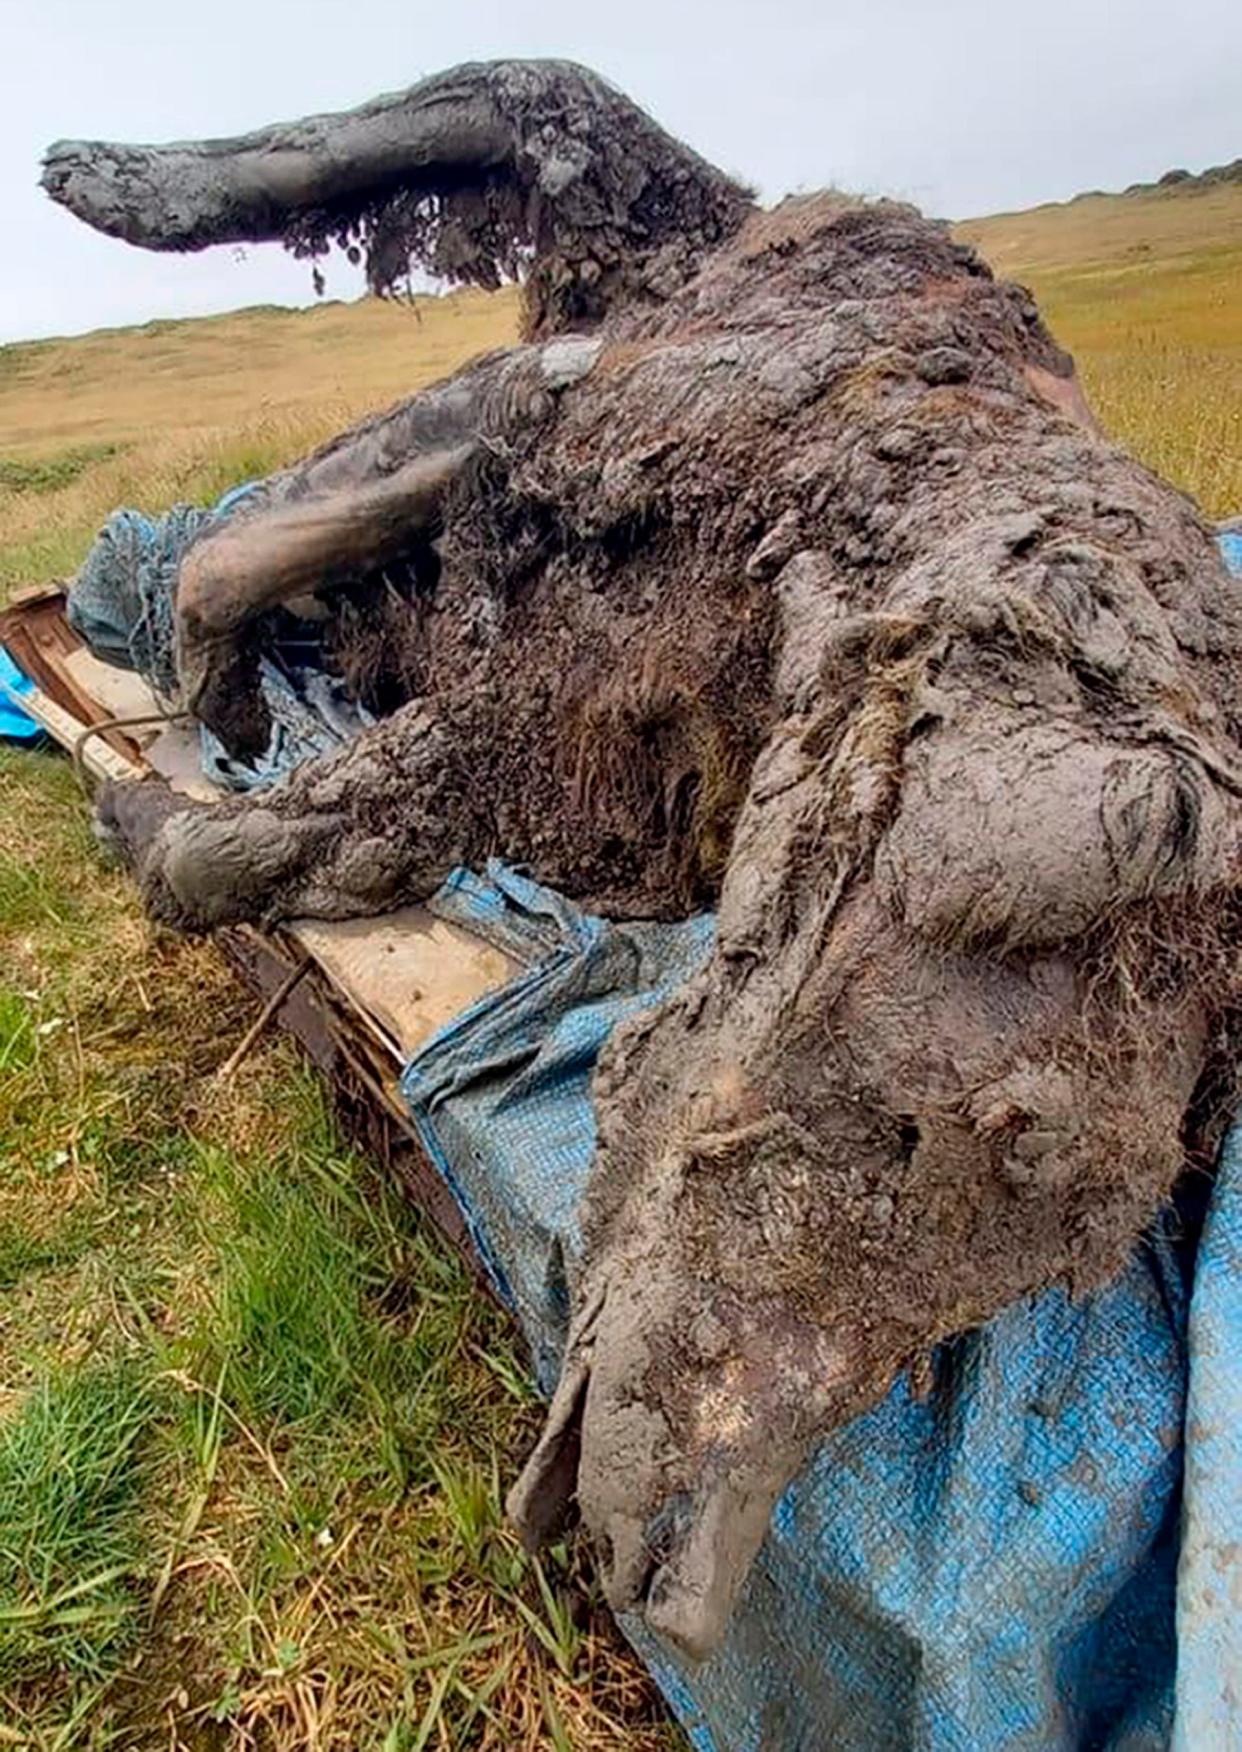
(121, 602)
(15, 724)
(1046, 1554)
(995, 1568)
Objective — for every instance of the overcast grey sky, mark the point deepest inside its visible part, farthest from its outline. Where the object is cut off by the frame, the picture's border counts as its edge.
(965, 106)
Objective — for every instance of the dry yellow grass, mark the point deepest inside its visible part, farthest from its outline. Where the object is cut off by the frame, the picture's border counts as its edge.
(1146, 292)
(182, 410)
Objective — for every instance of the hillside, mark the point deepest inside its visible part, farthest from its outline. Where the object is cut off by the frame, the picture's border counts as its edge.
(1145, 288)
(182, 410)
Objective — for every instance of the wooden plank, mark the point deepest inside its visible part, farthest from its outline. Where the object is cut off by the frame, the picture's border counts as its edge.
(121, 693)
(361, 1074)
(39, 639)
(407, 972)
(99, 758)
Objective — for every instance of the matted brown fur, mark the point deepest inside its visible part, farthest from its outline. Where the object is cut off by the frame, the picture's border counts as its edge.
(808, 600)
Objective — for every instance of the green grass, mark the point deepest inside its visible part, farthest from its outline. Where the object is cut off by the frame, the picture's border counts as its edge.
(331, 1315)
(248, 1404)
(23, 1253)
(49, 474)
(71, 1541)
(17, 1030)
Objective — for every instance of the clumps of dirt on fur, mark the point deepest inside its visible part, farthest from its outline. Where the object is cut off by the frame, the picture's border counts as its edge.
(1179, 959)
(594, 203)
(810, 601)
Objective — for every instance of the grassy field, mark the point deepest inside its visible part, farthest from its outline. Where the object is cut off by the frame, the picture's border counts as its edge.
(254, 1422)
(1144, 290)
(254, 1425)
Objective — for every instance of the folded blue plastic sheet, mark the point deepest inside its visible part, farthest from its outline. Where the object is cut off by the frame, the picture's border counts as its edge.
(16, 725)
(994, 1568)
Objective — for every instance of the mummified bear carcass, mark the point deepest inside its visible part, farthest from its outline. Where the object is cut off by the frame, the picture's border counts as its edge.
(780, 569)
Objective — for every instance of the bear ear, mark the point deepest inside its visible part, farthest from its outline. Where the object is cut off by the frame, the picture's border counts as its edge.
(465, 174)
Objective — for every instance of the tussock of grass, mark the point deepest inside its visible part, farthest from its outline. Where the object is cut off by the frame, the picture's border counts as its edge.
(50, 473)
(330, 1311)
(70, 1532)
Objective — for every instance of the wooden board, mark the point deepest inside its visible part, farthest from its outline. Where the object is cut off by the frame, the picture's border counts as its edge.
(98, 756)
(363, 1077)
(118, 692)
(40, 640)
(407, 972)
